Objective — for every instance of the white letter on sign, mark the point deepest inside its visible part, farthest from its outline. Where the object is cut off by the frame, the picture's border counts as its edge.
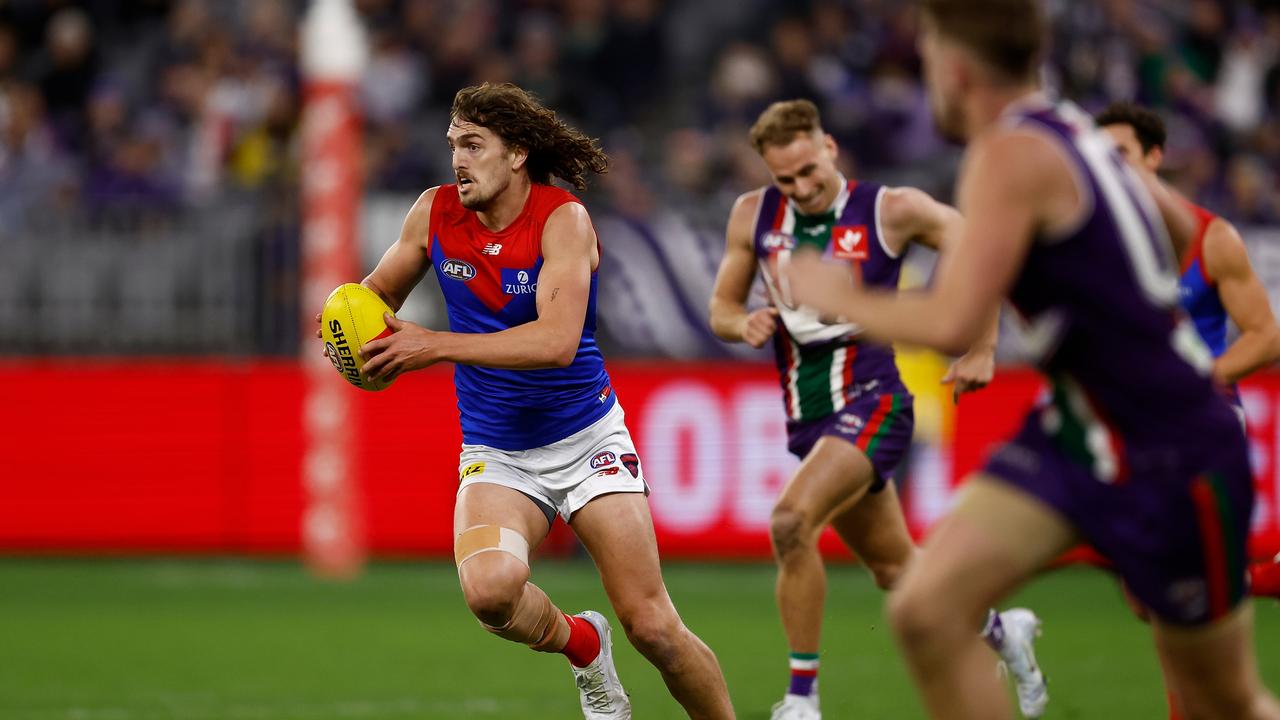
(764, 465)
(683, 435)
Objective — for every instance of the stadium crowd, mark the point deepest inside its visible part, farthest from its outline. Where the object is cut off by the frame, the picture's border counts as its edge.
(161, 104)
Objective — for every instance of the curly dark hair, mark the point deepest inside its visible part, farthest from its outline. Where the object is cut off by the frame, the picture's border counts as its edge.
(522, 122)
(1147, 125)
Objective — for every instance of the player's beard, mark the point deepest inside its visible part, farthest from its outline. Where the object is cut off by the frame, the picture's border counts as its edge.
(479, 197)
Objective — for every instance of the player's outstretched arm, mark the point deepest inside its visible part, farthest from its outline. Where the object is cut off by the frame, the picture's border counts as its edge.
(1245, 299)
(730, 320)
(910, 215)
(1007, 183)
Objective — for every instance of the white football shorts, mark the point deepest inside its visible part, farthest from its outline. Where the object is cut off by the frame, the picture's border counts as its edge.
(567, 474)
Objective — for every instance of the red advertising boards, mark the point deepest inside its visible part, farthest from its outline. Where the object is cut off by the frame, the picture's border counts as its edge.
(207, 456)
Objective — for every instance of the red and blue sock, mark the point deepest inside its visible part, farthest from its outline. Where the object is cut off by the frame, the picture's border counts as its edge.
(804, 674)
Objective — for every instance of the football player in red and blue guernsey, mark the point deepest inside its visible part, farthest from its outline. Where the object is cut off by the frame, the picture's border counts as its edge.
(1134, 451)
(543, 432)
(1217, 284)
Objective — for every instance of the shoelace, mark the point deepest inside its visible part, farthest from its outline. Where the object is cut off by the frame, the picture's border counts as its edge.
(593, 687)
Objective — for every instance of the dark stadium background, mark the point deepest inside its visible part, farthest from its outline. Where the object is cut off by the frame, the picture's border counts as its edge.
(198, 519)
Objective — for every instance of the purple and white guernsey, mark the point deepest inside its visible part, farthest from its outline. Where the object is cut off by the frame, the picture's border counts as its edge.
(1128, 369)
(1133, 444)
(833, 383)
(821, 359)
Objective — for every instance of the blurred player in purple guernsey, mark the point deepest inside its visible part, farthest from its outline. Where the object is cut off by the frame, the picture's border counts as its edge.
(1217, 284)
(1134, 450)
(849, 416)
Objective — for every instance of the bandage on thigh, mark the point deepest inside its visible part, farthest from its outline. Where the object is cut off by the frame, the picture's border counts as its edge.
(536, 622)
(490, 538)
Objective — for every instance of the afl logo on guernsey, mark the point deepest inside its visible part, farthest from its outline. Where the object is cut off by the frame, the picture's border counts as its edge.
(457, 269)
(602, 459)
(777, 241)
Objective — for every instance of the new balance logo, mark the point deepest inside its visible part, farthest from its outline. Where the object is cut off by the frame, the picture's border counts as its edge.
(492, 249)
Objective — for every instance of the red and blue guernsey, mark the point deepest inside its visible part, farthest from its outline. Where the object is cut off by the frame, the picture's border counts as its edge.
(490, 280)
(1134, 445)
(1199, 294)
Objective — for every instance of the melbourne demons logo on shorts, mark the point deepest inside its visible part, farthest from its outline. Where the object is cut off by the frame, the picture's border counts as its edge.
(602, 459)
(632, 463)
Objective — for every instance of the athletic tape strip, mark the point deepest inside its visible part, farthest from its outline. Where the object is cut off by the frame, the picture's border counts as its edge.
(490, 538)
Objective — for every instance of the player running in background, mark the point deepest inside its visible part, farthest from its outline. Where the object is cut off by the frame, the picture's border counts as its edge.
(1217, 283)
(849, 416)
(1136, 452)
(543, 432)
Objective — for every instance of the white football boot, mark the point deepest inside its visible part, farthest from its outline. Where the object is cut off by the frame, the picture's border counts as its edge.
(599, 689)
(797, 707)
(1021, 628)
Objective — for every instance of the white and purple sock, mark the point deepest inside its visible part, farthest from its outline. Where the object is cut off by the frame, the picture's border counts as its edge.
(804, 674)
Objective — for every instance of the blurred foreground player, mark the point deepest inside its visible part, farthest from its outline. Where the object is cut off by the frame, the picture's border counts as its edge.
(849, 416)
(1136, 452)
(1217, 283)
(543, 432)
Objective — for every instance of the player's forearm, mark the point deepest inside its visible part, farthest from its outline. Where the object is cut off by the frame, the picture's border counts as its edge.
(1254, 349)
(525, 347)
(392, 300)
(728, 319)
(915, 318)
(990, 334)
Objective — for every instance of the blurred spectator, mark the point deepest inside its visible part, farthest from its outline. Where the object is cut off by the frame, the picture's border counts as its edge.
(34, 172)
(66, 71)
(174, 102)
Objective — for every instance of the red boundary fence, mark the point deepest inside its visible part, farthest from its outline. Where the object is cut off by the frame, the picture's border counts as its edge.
(206, 456)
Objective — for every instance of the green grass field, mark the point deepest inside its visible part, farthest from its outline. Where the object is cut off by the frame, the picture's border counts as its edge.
(127, 639)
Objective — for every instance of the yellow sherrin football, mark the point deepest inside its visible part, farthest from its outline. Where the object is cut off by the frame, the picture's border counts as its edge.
(352, 316)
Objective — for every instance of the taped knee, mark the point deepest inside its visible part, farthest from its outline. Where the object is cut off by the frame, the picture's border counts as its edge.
(536, 622)
(490, 538)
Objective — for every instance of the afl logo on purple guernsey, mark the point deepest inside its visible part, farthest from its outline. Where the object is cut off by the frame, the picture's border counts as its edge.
(603, 459)
(457, 269)
(777, 241)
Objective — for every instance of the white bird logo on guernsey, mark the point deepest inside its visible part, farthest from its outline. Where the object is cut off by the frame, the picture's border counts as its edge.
(850, 240)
